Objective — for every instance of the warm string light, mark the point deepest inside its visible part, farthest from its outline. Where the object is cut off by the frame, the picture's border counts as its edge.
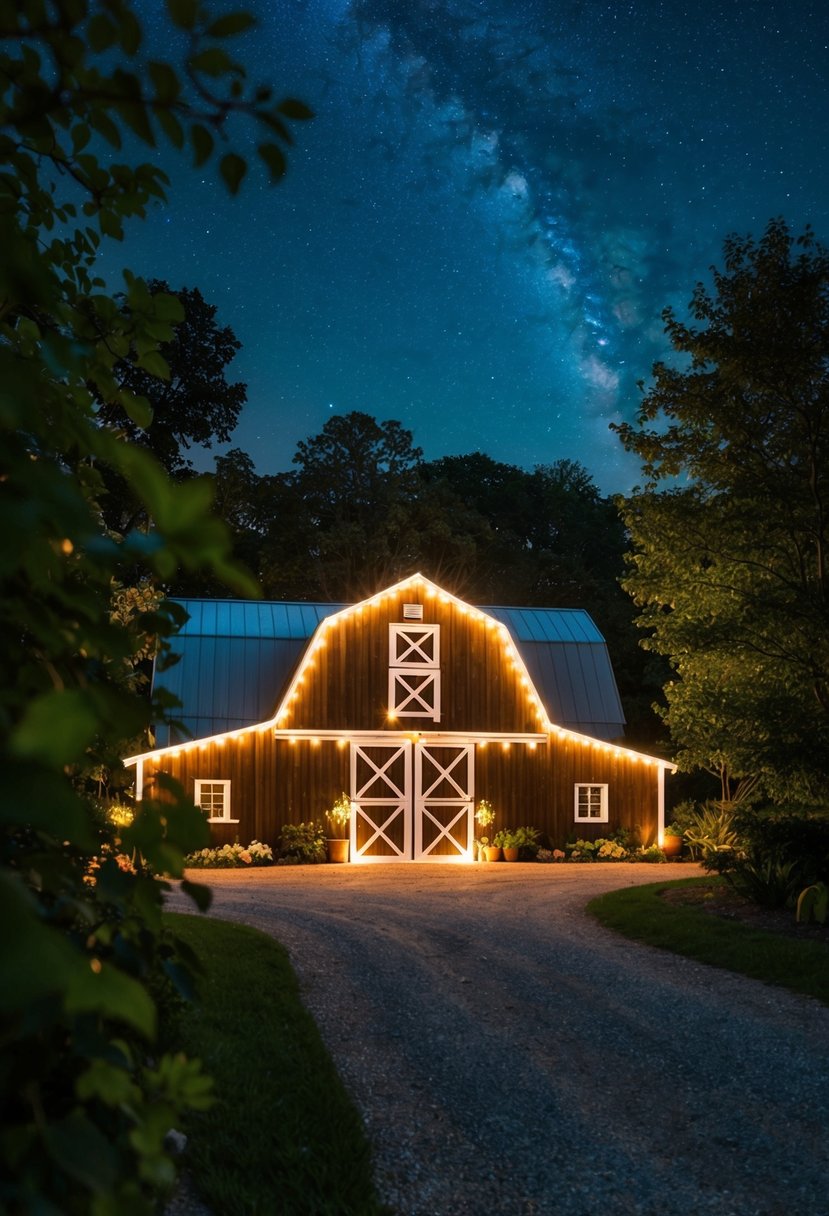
(430, 591)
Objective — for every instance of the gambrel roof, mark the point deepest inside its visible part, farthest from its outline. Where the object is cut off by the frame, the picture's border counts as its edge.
(236, 658)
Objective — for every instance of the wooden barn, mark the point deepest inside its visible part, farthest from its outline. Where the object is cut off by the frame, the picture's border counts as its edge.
(415, 703)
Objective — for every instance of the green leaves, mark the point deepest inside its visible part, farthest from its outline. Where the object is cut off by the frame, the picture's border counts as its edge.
(292, 108)
(231, 25)
(84, 1122)
(233, 168)
(55, 728)
(183, 13)
(729, 570)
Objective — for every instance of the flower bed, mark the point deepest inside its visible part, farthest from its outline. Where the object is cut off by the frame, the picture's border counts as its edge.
(605, 848)
(231, 856)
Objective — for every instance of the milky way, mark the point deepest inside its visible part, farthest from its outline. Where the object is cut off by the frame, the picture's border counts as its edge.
(496, 200)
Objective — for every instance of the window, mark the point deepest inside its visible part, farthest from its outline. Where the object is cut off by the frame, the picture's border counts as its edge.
(214, 799)
(591, 804)
(414, 671)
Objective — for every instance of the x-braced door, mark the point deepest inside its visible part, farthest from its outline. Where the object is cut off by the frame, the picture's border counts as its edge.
(405, 809)
(444, 799)
(381, 785)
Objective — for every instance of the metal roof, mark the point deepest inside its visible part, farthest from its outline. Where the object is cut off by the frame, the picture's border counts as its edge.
(236, 657)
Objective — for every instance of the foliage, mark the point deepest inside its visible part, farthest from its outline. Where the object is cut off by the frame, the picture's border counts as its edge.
(87, 1099)
(302, 842)
(525, 839)
(618, 846)
(813, 904)
(339, 817)
(231, 856)
(652, 853)
(283, 1134)
(642, 914)
(683, 815)
(194, 405)
(710, 829)
(776, 854)
(731, 531)
(362, 509)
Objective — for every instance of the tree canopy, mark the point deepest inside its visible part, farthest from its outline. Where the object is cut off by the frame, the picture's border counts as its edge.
(193, 403)
(362, 509)
(87, 1097)
(731, 528)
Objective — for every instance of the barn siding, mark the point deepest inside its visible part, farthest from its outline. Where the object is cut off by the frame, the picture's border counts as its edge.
(275, 781)
(345, 685)
(344, 688)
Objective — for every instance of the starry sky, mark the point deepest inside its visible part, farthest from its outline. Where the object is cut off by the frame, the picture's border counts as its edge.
(480, 228)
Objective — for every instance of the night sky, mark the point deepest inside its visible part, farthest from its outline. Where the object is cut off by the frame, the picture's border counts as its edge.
(479, 230)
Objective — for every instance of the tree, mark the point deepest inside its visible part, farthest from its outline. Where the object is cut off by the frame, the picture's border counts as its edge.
(731, 530)
(194, 404)
(87, 1098)
(354, 485)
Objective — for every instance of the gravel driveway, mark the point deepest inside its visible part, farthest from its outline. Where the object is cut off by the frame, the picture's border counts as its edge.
(510, 1056)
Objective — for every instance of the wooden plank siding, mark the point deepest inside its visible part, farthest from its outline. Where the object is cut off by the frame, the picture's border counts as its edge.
(276, 780)
(345, 683)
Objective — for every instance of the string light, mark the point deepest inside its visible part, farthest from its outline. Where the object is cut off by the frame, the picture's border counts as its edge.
(509, 653)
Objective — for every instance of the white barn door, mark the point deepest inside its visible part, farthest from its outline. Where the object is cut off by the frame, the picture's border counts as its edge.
(444, 801)
(381, 784)
(412, 803)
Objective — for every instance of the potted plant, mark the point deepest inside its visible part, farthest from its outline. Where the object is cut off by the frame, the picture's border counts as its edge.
(485, 817)
(338, 818)
(527, 840)
(672, 841)
(508, 841)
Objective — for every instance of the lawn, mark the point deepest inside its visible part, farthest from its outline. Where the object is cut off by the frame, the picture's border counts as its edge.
(283, 1135)
(643, 914)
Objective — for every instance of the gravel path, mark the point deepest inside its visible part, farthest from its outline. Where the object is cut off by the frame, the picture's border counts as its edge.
(510, 1056)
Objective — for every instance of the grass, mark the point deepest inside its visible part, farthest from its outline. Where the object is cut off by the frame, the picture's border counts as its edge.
(640, 913)
(283, 1135)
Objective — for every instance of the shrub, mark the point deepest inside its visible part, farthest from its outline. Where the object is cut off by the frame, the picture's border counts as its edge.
(710, 829)
(777, 853)
(231, 856)
(302, 842)
(652, 853)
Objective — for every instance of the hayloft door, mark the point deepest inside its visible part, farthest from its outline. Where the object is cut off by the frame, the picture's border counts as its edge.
(444, 800)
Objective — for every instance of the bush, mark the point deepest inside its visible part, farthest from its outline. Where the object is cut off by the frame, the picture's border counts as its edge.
(777, 853)
(302, 842)
(710, 829)
(231, 856)
(605, 848)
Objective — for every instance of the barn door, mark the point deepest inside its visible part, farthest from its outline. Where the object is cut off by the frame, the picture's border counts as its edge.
(381, 784)
(408, 809)
(444, 798)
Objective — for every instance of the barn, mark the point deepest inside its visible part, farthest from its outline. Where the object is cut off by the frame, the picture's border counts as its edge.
(415, 703)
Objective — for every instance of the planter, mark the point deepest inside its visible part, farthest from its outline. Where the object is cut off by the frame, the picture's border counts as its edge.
(672, 846)
(511, 854)
(492, 853)
(338, 850)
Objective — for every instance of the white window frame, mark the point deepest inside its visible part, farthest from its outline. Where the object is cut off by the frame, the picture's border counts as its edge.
(225, 799)
(590, 786)
(414, 671)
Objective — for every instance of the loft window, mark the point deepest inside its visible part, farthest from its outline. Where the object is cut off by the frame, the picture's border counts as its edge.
(214, 799)
(414, 671)
(591, 804)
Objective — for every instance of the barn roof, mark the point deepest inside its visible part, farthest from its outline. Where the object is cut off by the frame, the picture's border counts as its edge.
(237, 656)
